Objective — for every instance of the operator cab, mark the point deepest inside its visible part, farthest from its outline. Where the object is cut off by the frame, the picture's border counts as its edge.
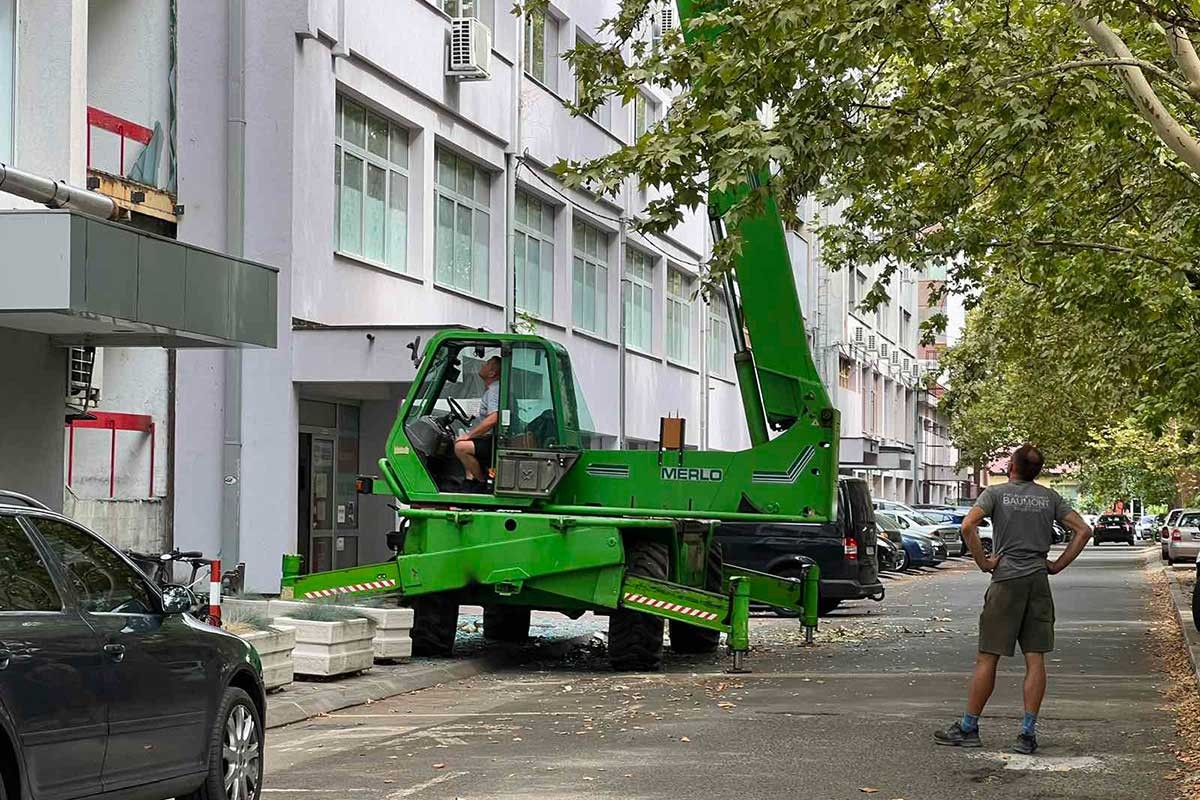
(531, 434)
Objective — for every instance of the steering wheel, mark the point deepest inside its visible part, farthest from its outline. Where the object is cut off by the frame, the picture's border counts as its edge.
(457, 412)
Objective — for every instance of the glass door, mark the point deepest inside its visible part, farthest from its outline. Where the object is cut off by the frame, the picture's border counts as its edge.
(321, 505)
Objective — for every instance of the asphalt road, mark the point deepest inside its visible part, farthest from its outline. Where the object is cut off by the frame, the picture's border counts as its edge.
(850, 718)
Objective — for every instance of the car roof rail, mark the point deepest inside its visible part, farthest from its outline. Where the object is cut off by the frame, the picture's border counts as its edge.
(24, 498)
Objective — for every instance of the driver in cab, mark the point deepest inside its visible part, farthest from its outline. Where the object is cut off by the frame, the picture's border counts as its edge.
(474, 446)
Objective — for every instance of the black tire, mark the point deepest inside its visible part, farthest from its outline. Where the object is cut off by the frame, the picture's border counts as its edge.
(506, 624)
(435, 623)
(826, 605)
(1129, 542)
(237, 711)
(635, 640)
(1170, 560)
(688, 638)
(901, 560)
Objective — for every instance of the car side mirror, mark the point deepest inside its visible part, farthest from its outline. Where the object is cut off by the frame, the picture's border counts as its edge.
(177, 600)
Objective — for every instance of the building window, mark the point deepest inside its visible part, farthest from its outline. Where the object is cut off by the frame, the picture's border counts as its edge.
(371, 175)
(603, 112)
(844, 373)
(906, 329)
(8, 70)
(589, 287)
(719, 339)
(679, 317)
(463, 224)
(482, 10)
(645, 113)
(534, 255)
(639, 299)
(541, 48)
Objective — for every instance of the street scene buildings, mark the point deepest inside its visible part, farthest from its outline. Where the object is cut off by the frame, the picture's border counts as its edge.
(374, 195)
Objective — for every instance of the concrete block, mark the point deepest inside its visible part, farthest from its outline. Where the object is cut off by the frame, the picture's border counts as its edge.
(275, 648)
(331, 648)
(392, 627)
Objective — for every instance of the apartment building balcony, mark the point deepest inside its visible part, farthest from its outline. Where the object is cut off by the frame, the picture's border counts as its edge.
(86, 281)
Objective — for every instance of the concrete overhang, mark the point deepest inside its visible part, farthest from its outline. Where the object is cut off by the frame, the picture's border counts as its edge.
(85, 281)
(359, 355)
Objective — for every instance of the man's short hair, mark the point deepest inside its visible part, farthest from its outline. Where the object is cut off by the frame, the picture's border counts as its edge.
(1027, 462)
(494, 363)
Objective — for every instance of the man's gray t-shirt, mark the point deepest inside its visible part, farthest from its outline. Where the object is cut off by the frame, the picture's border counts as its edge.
(1023, 515)
(488, 403)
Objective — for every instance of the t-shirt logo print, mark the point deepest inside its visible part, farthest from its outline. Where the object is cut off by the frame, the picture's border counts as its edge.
(1025, 503)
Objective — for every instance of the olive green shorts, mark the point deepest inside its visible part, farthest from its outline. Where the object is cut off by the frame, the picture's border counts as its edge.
(1017, 610)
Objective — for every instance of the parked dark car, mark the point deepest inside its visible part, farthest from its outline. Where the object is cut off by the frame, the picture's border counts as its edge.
(942, 514)
(844, 550)
(922, 550)
(887, 555)
(1113, 528)
(107, 687)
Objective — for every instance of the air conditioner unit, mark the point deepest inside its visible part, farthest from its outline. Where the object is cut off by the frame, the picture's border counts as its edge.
(895, 358)
(871, 342)
(84, 377)
(858, 335)
(469, 57)
(883, 349)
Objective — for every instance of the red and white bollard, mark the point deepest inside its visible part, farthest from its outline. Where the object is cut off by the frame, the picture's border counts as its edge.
(214, 593)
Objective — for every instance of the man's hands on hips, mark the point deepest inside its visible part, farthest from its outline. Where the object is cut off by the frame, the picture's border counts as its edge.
(989, 563)
(1052, 567)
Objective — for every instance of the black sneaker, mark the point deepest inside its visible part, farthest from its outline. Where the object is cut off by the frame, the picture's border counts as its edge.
(1026, 744)
(955, 736)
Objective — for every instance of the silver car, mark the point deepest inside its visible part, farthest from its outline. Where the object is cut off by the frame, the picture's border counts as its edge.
(1183, 542)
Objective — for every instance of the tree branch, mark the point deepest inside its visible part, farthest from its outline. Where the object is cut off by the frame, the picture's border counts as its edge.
(1185, 56)
(1168, 129)
(1109, 62)
(1072, 245)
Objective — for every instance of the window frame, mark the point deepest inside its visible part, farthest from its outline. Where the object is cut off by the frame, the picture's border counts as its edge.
(550, 42)
(453, 8)
(684, 301)
(602, 115)
(343, 148)
(461, 201)
(639, 297)
(718, 320)
(526, 231)
(597, 262)
(8, 91)
(26, 529)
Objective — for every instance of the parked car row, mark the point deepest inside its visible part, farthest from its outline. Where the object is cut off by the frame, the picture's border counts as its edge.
(1179, 535)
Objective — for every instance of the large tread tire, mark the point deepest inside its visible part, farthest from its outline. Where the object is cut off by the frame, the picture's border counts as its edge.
(689, 638)
(506, 624)
(635, 640)
(213, 787)
(435, 623)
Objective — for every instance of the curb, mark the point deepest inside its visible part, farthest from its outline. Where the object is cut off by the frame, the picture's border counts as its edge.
(1183, 610)
(306, 699)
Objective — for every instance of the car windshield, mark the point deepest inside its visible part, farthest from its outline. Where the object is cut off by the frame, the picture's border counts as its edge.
(887, 521)
(921, 519)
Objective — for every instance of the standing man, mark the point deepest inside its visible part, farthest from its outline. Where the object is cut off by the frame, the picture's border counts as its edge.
(1018, 606)
(474, 446)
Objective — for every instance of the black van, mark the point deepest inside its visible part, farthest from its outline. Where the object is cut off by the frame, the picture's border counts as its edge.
(843, 550)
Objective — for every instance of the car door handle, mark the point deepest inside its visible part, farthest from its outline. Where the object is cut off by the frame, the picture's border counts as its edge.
(116, 651)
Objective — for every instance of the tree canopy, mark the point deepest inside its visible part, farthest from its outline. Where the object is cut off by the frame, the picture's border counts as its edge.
(1041, 153)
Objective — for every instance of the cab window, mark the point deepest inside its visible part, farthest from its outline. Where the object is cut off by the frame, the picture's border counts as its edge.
(529, 421)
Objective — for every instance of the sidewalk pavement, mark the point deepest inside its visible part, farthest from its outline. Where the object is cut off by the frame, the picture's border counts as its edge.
(1183, 583)
(303, 699)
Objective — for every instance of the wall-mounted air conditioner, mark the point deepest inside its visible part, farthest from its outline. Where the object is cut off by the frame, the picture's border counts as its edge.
(883, 349)
(85, 375)
(469, 57)
(895, 358)
(871, 342)
(858, 335)
(664, 20)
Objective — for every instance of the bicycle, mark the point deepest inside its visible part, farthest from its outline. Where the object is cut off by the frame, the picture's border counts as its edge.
(161, 569)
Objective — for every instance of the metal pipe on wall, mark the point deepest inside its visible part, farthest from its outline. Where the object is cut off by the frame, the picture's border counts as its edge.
(235, 225)
(511, 163)
(621, 347)
(56, 194)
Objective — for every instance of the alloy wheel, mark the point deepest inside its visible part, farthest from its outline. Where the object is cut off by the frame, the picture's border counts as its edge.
(240, 754)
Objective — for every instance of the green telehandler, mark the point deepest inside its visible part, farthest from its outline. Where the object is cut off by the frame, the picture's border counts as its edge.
(626, 533)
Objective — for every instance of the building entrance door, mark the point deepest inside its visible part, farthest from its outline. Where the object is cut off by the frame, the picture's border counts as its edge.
(321, 503)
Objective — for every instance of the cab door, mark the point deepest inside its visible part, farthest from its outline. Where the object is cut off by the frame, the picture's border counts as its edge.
(51, 674)
(532, 454)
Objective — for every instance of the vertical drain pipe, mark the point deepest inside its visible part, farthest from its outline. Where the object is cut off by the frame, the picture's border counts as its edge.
(512, 163)
(235, 224)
